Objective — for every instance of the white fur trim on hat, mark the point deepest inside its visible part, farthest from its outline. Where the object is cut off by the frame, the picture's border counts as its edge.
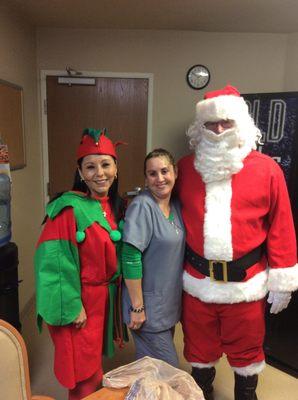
(221, 107)
(249, 370)
(225, 107)
(228, 292)
(283, 279)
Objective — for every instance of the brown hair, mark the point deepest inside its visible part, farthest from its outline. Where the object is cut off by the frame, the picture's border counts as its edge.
(159, 153)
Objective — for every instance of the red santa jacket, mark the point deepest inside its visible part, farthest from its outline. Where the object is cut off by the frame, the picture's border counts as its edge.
(227, 219)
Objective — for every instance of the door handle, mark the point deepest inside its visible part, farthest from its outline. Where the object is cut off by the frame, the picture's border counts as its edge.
(133, 192)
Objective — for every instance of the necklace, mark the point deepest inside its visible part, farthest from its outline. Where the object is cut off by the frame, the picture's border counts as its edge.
(104, 206)
(115, 234)
(166, 211)
(171, 220)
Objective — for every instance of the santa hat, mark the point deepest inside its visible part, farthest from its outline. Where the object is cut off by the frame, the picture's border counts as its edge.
(220, 104)
(96, 142)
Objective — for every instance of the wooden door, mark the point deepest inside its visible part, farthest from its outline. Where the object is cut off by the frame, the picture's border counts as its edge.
(118, 104)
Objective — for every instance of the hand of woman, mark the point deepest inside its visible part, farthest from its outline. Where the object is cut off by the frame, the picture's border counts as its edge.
(136, 320)
(81, 319)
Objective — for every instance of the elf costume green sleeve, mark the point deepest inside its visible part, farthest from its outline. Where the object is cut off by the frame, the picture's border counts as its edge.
(58, 282)
(57, 263)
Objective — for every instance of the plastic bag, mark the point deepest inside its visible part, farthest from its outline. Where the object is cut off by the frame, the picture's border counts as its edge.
(152, 379)
(153, 389)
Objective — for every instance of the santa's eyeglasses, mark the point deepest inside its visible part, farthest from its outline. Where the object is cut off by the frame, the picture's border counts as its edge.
(224, 123)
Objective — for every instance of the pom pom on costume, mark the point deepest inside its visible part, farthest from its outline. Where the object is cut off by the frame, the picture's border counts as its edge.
(115, 235)
(80, 236)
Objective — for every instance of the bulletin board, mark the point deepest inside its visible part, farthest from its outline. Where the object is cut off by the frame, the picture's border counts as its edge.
(12, 123)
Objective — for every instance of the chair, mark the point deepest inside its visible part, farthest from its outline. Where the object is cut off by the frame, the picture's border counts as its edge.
(14, 370)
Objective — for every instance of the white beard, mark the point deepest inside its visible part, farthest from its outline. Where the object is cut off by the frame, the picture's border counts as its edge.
(218, 157)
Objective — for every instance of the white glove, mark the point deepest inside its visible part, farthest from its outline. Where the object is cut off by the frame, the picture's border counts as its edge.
(279, 301)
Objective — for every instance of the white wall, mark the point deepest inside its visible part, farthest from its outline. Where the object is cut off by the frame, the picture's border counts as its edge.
(18, 65)
(291, 61)
(253, 62)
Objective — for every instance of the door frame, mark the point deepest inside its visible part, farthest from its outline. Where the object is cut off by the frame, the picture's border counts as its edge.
(87, 74)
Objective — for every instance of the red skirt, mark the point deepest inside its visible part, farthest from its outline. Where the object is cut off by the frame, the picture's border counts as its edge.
(78, 352)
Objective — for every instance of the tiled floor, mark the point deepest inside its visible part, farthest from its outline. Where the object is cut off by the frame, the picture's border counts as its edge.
(273, 384)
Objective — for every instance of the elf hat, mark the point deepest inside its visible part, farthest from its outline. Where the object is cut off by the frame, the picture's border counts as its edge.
(221, 104)
(96, 142)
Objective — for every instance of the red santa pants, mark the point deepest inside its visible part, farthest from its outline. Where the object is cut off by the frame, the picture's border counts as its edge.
(234, 329)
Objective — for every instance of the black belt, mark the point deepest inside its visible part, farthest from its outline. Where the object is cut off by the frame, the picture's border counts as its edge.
(224, 271)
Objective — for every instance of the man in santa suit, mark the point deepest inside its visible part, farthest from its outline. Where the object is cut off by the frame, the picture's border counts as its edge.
(240, 242)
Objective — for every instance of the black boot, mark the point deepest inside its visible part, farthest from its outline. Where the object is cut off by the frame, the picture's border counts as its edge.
(204, 378)
(245, 387)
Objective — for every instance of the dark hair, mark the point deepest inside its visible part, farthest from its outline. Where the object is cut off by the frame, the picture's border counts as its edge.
(159, 153)
(116, 202)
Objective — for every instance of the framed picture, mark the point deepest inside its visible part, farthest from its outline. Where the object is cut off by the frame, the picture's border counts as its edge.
(12, 123)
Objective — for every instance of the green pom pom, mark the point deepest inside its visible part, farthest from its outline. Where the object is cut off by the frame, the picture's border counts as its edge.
(80, 236)
(115, 236)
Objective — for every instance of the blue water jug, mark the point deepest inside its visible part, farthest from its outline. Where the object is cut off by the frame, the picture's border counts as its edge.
(5, 222)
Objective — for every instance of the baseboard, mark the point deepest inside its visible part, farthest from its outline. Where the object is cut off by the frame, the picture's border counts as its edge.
(288, 369)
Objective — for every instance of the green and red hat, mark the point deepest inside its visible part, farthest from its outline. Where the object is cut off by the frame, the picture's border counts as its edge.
(95, 141)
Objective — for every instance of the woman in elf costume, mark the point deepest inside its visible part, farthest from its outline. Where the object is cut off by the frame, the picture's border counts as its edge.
(76, 267)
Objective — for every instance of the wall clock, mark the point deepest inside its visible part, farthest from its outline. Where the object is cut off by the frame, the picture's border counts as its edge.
(198, 76)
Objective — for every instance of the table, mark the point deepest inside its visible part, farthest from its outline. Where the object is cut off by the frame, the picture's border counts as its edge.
(108, 394)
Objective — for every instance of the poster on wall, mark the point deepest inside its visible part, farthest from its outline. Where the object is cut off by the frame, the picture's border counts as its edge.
(276, 115)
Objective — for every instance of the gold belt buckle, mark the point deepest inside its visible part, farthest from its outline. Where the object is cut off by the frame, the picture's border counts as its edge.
(224, 270)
